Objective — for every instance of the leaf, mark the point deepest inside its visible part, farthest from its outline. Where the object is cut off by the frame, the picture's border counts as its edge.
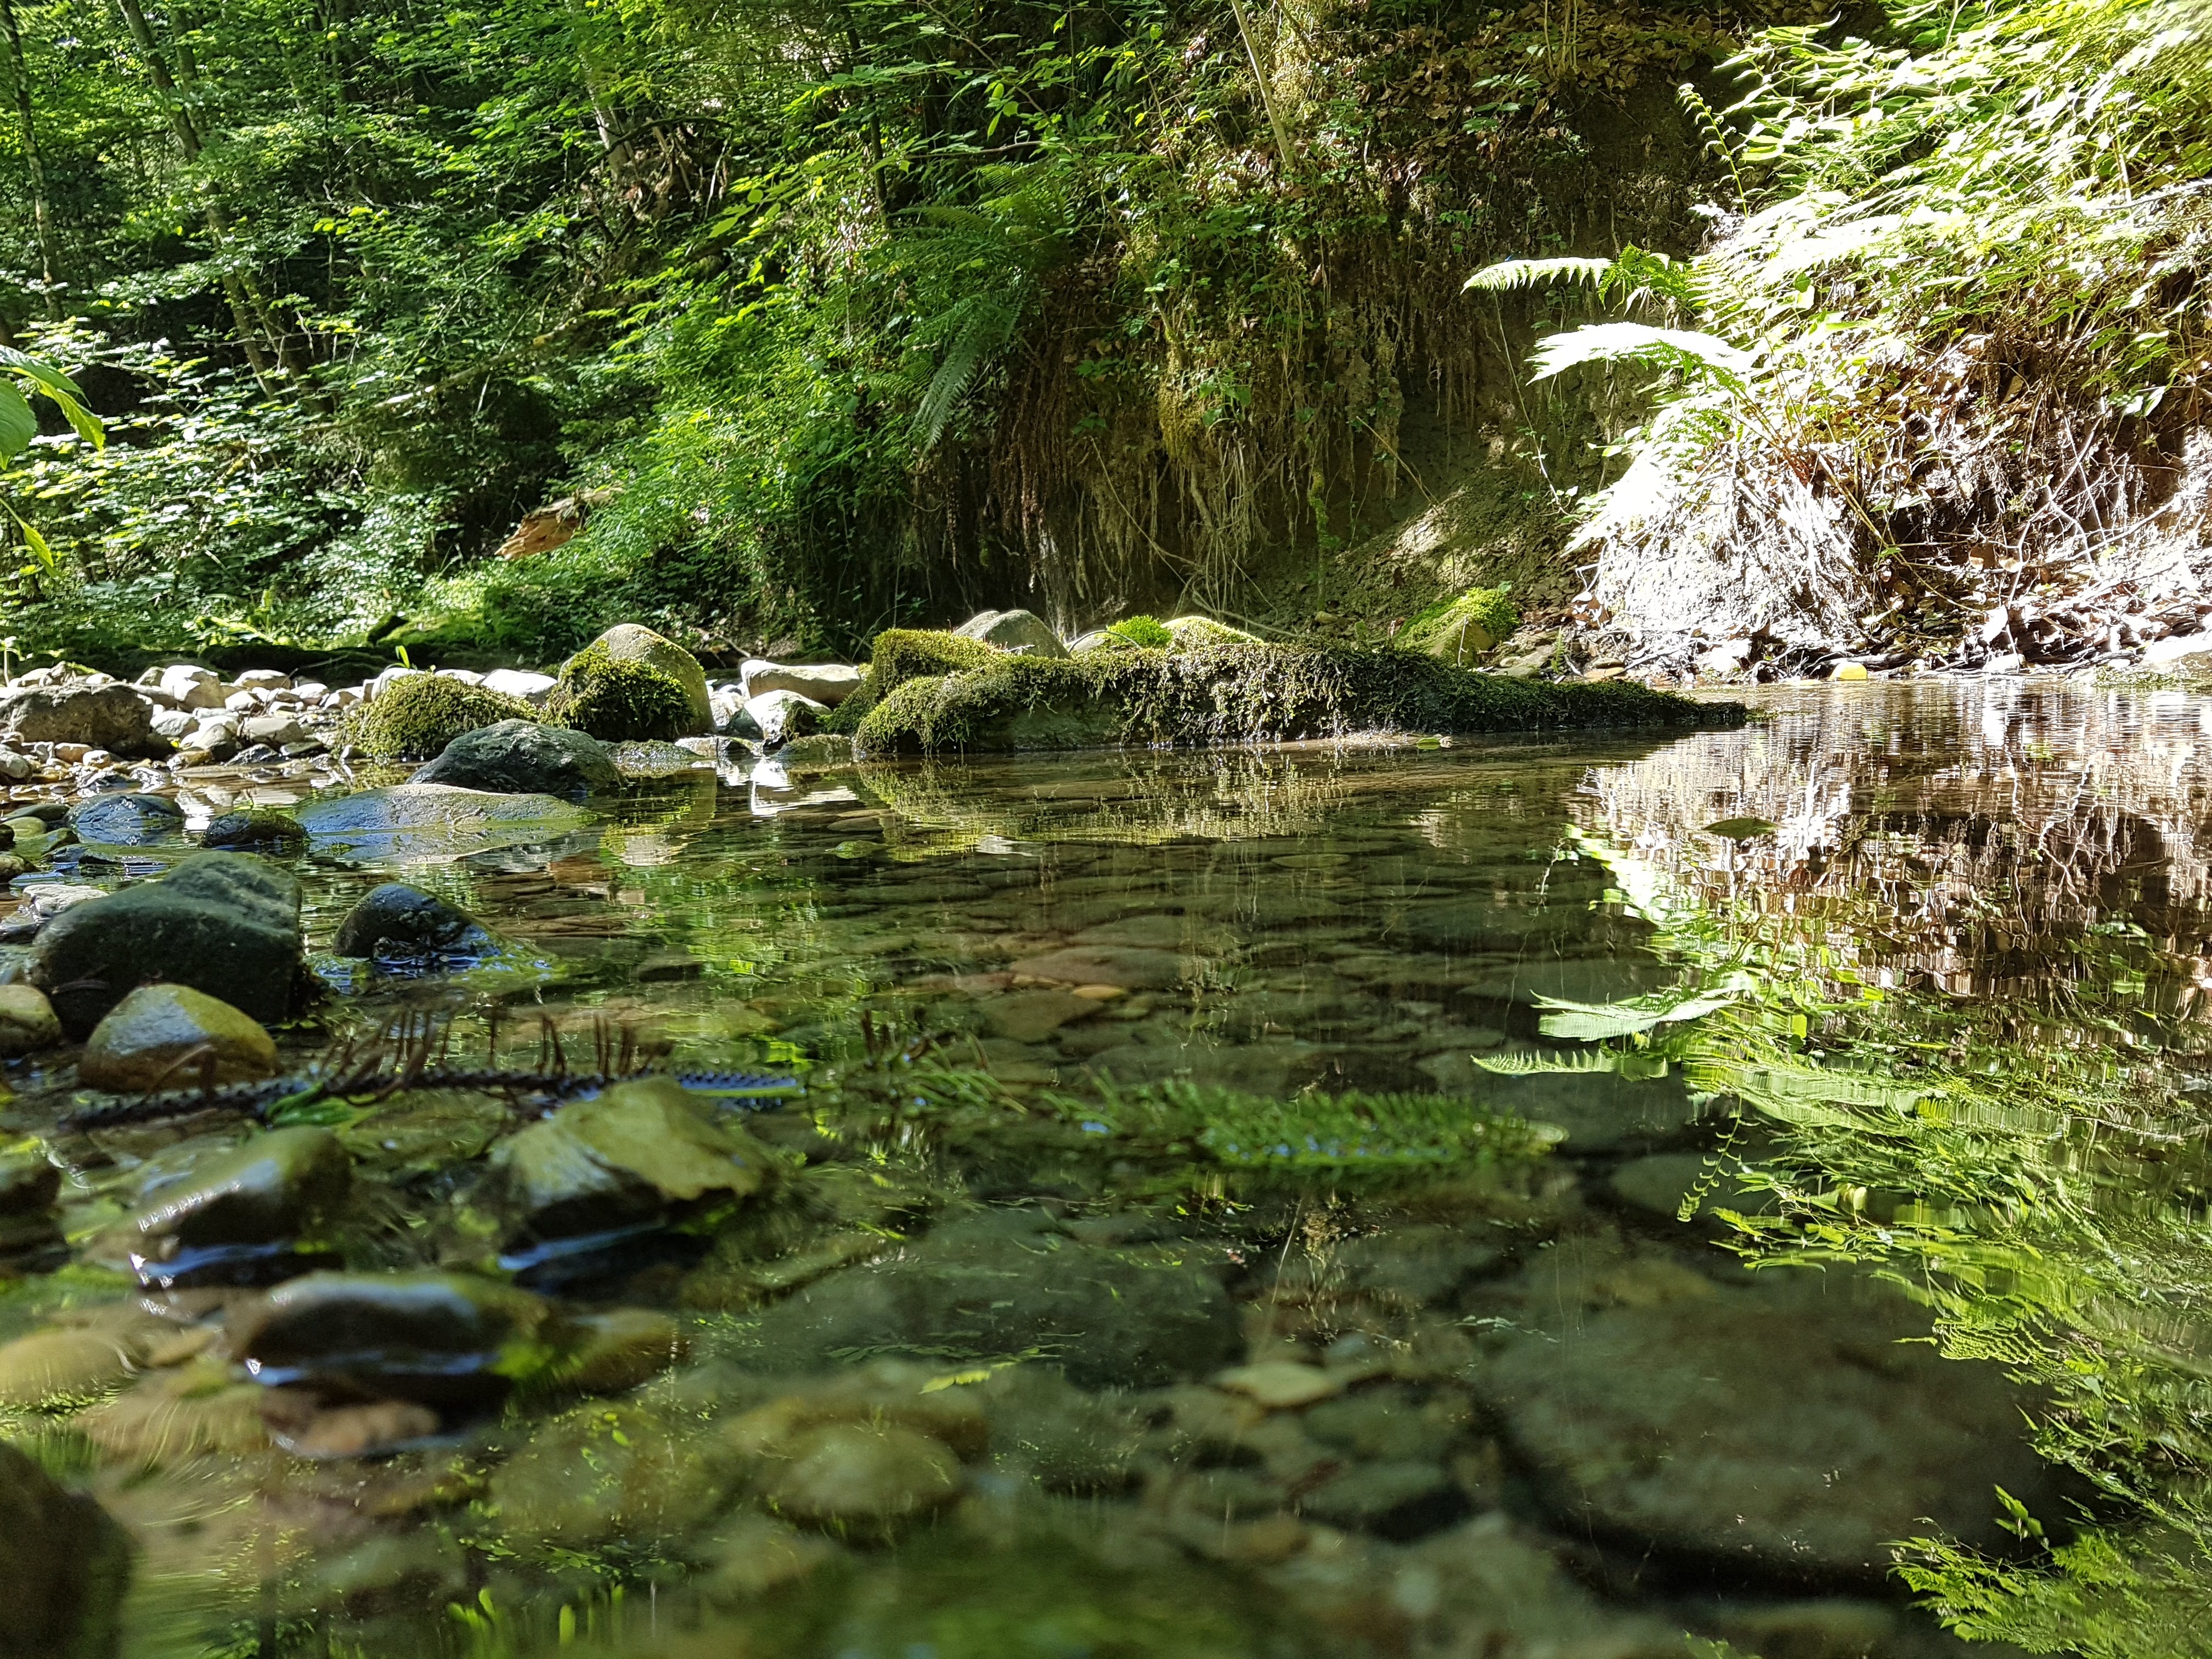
(1687, 352)
(1509, 274)
(18, 426)
(44, 373)
(1583, 1022)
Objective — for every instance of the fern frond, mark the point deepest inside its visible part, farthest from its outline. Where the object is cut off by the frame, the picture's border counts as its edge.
(1700, 356)
(1509, 274)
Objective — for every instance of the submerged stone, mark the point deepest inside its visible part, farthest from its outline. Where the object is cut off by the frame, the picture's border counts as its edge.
(427, 823)
(603, 1471)
(1794, 1429)
(1013, 1282)
(227, 924)
(867, 1480)
(438, 1339)
(171, 1037)
(65, 1563)
(52, 1368)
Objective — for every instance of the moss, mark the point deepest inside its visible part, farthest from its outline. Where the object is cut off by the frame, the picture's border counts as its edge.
(900, 654)
(619, 700)
(1466, 626)
(1145, 631)
(415, 718)
(1244, 693)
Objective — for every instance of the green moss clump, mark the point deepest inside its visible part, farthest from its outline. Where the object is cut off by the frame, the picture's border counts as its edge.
(1244, 693)
(617, 700)
(1144, 631)
(1464, 628)
(415, 718)
(900, 654)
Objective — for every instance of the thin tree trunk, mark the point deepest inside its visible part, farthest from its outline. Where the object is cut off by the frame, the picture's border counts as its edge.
(253, 334)
(20, 69)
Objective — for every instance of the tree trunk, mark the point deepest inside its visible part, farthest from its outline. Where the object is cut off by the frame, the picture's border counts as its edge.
(20, 69)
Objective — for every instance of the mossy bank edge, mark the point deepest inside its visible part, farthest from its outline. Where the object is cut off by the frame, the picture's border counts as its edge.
(929, 692)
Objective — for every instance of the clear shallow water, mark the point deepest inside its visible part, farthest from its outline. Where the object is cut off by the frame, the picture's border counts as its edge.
(1153, 1204)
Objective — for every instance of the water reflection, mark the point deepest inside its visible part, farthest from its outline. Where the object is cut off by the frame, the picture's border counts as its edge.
(1158, 1263)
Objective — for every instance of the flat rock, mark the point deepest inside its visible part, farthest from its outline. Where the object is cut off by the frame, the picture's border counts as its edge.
(267, 1190)
(827, 683)
(127, 820)
(171, 1037)
(224, 923)
(431, 822)
(869, 1479)
(524, 757)
(1793, 1426)
(1132, 967)
(1012, 1282)
(1032, 1015)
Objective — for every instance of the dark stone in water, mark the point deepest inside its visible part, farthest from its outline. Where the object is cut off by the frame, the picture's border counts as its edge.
(28, 1184)
(439, 1339)
(224, 923)
(65, 1566)
(524, 757)
(255, 827)
(127, 820)
(235, 1217)
(1013, 1282)
(405, 926)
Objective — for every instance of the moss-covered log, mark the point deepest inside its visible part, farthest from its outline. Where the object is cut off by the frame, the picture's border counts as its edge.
(922, 695)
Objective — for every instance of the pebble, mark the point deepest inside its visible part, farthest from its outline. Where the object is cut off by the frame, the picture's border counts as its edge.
(28, 1022)
(1281, 1384)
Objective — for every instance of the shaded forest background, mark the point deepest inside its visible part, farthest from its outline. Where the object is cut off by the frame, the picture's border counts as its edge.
(795, 321)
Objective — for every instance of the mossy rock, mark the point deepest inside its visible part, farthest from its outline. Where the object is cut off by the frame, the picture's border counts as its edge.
(902, 654)
(622, 700)
(1236, 693)
(1467, 627)
(414, 718)
(627, 697)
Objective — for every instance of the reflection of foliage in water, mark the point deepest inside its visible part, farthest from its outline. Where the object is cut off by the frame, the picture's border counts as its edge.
(2035, 1167)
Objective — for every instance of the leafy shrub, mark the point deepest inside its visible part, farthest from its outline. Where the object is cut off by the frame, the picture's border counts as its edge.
(619, 701)
(415, 718)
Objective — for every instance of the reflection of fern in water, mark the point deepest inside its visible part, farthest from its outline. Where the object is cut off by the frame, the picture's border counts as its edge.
(1348, 1131)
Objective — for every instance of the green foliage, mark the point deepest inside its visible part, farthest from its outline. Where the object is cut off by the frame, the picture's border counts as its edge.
(618, 700)
(1238, 693)
(414, 718)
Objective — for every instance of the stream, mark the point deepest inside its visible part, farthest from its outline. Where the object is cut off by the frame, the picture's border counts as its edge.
(1561, 1200)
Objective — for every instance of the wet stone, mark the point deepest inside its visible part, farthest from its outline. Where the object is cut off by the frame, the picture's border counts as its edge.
(524, 757)
(224, 923)
(127, 820)
(605, 1471)
(436, 1338)
(303, 1424)
(29, 1184)
(1400, 1499)
(403, 928)
(27, 1023)
(235, 1215)
(427, 823)
(255, 829)
(48, 1369)
(171, 1037)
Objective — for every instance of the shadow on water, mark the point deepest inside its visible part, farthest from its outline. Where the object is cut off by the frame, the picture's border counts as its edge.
(1441, 1202)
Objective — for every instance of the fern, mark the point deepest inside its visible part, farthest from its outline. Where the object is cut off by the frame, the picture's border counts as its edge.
(1704, 358)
